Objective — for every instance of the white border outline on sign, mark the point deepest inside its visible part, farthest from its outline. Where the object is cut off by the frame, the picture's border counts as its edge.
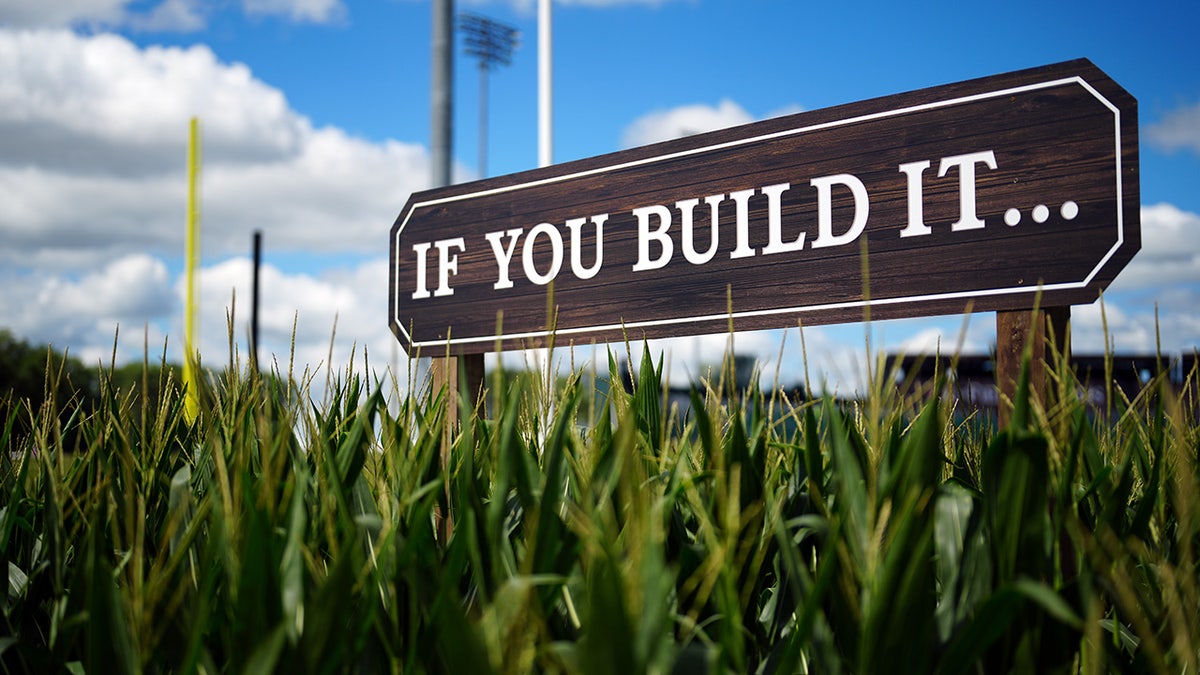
(1077, 79)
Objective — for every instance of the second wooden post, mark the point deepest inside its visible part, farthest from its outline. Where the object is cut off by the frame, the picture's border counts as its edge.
(1044, 331)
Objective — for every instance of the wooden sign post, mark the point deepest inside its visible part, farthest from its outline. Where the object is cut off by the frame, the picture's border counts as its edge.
(452, 372)
(1042, 331)
(993, 193)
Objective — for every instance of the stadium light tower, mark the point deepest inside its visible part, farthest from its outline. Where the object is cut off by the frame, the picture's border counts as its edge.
(493, 43)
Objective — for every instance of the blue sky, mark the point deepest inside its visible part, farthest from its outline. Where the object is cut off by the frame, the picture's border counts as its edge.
(316, 125)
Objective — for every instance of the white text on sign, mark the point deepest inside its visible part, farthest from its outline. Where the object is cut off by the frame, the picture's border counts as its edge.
(656, 246)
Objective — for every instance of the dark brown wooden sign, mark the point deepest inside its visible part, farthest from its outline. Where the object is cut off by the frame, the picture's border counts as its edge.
(982, 193)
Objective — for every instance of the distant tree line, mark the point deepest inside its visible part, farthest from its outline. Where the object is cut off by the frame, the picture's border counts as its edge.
(36, 380)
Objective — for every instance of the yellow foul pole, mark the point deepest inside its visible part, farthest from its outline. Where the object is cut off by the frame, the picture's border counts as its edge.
(191, 253)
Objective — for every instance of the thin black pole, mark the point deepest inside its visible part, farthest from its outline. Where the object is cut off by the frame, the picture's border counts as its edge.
(254, 302)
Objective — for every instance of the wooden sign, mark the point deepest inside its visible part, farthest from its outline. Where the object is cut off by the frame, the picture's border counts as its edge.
(984, 193)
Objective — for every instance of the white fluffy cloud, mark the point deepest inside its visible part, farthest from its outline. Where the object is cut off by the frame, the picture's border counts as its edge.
(1178, 130)
(61, 12)
(662, 125)
(300, 11)
(182, 16)
(331, 313)
(687, 120)
(163, 15)
(1152, 303)
(101, 103)
(1170, 252)
(135, 302)
(84, 313)
(93, 146)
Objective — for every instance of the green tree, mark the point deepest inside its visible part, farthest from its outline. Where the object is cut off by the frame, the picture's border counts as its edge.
(36, 377)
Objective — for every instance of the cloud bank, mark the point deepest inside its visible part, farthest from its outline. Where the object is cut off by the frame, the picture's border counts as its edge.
(163, 16)
(1179, 129)
(93, 149)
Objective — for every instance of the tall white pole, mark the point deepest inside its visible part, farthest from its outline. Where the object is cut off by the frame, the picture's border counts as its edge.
(545, 105)
(545, 158)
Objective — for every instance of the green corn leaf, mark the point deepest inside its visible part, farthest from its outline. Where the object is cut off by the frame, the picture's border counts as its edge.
(106, 634)
(517, 466)
(921, 460)
(996, 617)
(180, 505)
(199, 616)
(963, 559)
(647, 401)
(459, 645)
(811, 634)
(1072, 462)
(352, 451)
(502, 476)
(1050, 601)
(605, 646)
(6, 642)
(9, 424)
(1150, 499)
(552, 536)
(965, 652)
(10, 514)
(1015, 475)
(813, 461)
(291, 562)
(898, 621)
(333, 617)
(704, 429)
(848, 466)
(52, 532)
(1117, 502)
(258, 577)
(1022, 412)
(264, 659)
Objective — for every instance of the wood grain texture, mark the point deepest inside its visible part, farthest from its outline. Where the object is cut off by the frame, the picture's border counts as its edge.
(1058, 134)
(1045, 333)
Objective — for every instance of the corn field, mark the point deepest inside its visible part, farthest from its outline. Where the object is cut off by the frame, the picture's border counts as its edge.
(598, 533)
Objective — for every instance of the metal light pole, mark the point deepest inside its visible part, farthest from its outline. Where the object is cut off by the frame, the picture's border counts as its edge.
(492, 43)
(442, 91)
